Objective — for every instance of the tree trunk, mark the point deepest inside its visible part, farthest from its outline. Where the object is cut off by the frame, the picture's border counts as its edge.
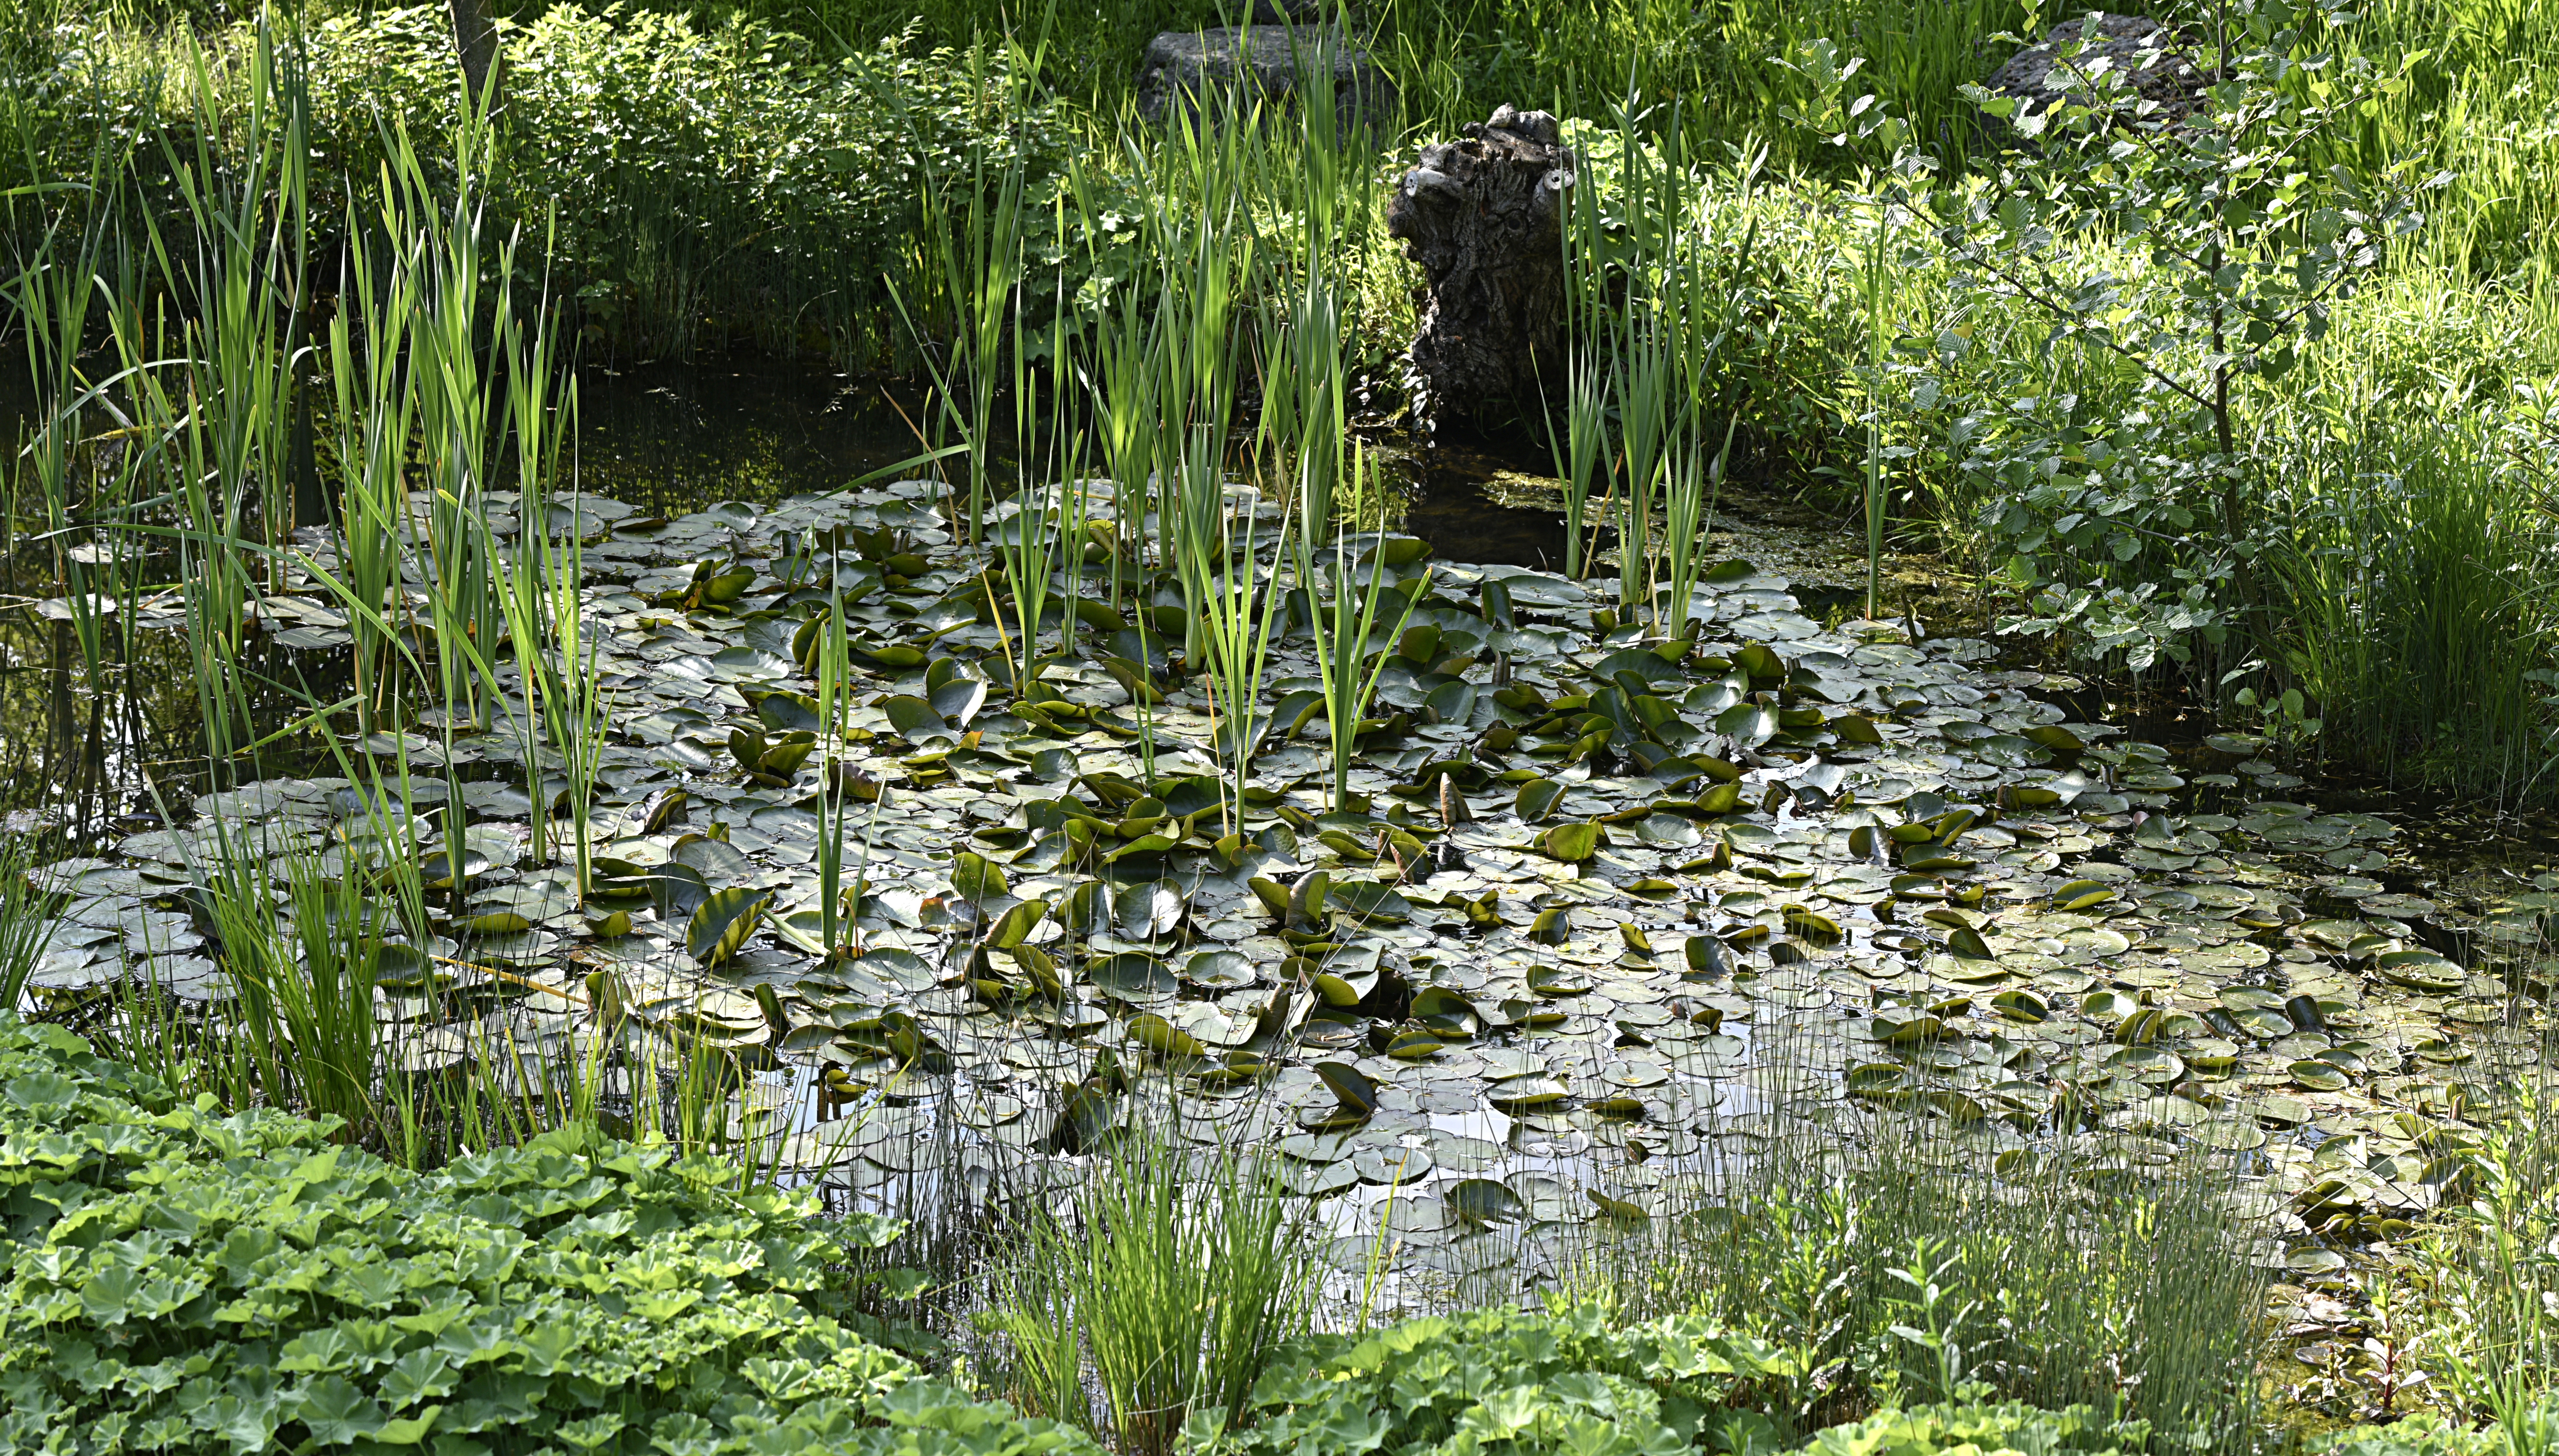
(475, 46)
(1484, 216)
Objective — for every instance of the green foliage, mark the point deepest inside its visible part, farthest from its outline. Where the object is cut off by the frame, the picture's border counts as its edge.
(2118, 519)
(27, 916)
(1913, 1274)
(1176, 1277)
(1972, 1427)
(1490, 1380)
(181, 1282)
(689, 183)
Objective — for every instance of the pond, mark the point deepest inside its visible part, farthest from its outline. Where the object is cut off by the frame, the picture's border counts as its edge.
(1588, 914)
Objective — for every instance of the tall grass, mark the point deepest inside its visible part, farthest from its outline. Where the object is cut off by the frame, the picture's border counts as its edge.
(2486, 1273)
(1163, 1285)
(1907, 1267)
(27, 918)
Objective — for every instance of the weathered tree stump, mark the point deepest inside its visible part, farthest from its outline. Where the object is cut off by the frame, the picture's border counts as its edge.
(1484, 218)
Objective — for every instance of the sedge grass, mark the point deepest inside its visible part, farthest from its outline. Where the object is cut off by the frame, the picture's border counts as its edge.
(1345, 638)
(1171, 1276)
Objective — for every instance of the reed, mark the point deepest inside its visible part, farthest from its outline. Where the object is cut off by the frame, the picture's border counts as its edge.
(27, 918)
(1171, 1276)
(1345, 625)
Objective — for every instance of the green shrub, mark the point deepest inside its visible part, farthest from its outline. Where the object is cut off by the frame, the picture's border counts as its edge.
(2431, 1435)
(180, 1281)
(689, 184)
(1975, 1429)
(1501, 1381)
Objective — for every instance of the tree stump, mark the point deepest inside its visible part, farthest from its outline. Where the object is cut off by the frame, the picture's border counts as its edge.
(1484, 218)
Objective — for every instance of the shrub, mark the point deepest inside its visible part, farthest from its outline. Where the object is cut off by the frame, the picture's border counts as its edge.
(1971, 1428)
(180, 1281)
(1497, 1380)
(687, 182)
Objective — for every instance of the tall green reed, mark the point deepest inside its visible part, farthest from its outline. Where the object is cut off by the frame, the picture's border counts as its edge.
(28, 913)
(1344, 626)
(1891, 1260)
(1171, 1276)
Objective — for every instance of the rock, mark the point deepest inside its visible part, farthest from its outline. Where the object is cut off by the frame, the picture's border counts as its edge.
(1484, 215)
(1181, 66)
(2160, 63)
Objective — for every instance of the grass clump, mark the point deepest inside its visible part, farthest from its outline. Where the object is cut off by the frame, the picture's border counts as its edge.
(1173, 1277)
(2073, 1281)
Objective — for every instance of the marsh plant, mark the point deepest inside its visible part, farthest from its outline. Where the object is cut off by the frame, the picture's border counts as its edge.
(1163, 1281)
(1895, 1267)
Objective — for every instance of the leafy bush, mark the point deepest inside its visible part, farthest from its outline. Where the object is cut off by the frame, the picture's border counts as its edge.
(2432, 1435)
(178, 1281)
(687, 182)
(1967, 1429)
(1496, 1380)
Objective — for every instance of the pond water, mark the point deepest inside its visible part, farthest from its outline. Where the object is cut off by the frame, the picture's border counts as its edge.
(1599, 919)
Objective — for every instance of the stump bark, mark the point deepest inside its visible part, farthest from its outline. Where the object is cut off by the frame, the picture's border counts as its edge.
(1484, 218)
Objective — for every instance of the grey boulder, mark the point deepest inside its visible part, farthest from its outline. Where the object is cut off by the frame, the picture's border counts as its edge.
(2154, 64)
(1279, 62)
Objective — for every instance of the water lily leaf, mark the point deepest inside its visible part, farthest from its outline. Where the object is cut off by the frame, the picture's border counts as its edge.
(1306, 902)
(1334, 991)
(1369, 901)
(497, 923)
(1446, 1012)
(2021, 1006)
(1527, 1094)
(1350, 1086)
(722, 923)
(1482, 1201)
(1219, 971)
(956, 701)
(1130, 975)
(1572, 843)
(1968, 944)
(2082, 895)
(915, 719)
(1748, 724)
(1273, 895)
(1014, 925)
(976, 877)
(1412, 1044)
(1163, 1038)
(783, 759)
(715, 859)
(1616, 1207)
(1810, 926)
(750, 664)
(675, 890)
(1535, 798)
(1147, 911)
(785, 712)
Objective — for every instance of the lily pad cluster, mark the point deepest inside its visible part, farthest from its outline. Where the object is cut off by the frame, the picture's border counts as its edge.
(1598, 913)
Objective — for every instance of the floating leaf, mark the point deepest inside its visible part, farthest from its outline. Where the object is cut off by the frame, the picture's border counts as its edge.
(1163, 1038)
(915, 719)
(1350, 1086)
(975, 877)
(722, 924)
(1219, 971)
(1535, 798)
(1130, 974)
(1482, 1201)
(1572, 843)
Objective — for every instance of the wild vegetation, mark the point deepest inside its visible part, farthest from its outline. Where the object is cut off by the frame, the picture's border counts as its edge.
(1091, 936)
